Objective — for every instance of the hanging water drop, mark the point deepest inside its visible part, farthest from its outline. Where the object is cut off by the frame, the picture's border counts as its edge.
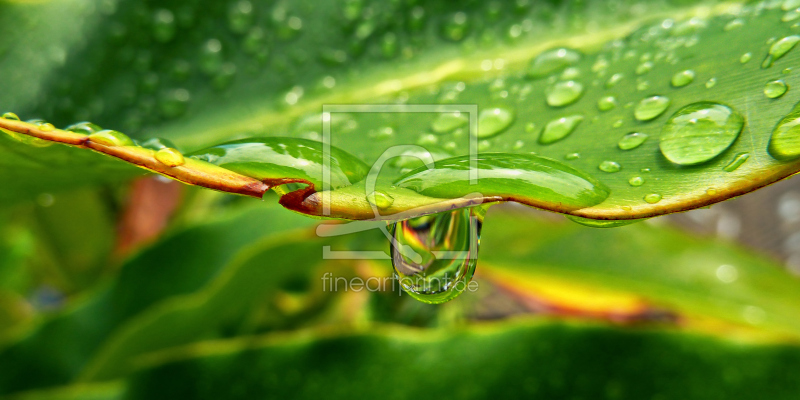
(651, 108)
(493, 121)
(434, 256)
(700, 132)
(775, 89)
(632, 141)
(10, 116)
(599, 223)
(558, 129)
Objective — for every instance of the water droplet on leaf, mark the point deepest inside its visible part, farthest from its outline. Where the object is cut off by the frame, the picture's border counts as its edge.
(493, 121)
(552, 61)
(700, 132)
(558, 129)
(775, 89)
(651, 108)
(564, 93)
(609, 166)
(682, 78)
(632, 141)
(111, 138)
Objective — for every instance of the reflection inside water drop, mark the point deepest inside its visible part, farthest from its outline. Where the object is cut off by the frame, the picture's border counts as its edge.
(434, 256)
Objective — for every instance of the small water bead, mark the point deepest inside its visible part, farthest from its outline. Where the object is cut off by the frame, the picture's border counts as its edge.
(519, 144)
(449, 121)
(682, 78)
(779, 49)
(427, 139)
(609, 166)
(493, 121)
(552, 61)
(632, 141)
(564, 93)
(10, 116)
(164, 25)
(606, 103)
(651, 108)
(111, 138)
(240, 16)
(434, 256)
(644, 68)
(570, 73)
(85, 128)
(636, 181)
(560, 128)
(784, 144)
(700, 132)
(380, 199)
(572, 156)
(653, 198)
(737, 162)
(455, 27)
(600, 65)
(642, 86)
(45, 126)
(618, 123)
(734, 24)
(614, 80)
(170, 157)
(791, 15)
(790, 4)
(745, 58)
(775, 89)
(530, 127)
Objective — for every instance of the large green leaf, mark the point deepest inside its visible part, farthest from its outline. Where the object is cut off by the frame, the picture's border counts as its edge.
(493, 55)
(512, 360)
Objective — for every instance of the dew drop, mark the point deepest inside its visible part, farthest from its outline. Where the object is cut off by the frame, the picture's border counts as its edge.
(564, 93)
(779, 49)
(609, 166)
(606, 103)
(644, 68)
(745, 58)
(791, 15)
(652, 198)
(632, 141)
(10, 116)
(700, 132)
(682, 78)
(734, 24)
(711, 83)
(790, 4)
(784, 144)
(572, 156)
(45, 126)
(493, 121)
(530, 127)
(737, 162)
(552, 61)
(380, 199)
(434, 256)
(170, 157)
(560, 128)
(651, 108)
(85, 128)
(614, 80)
(636, 181)
(111, 138)
(775, 89)
(448, 121)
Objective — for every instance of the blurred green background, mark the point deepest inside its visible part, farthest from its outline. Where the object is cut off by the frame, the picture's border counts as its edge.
(141, 288)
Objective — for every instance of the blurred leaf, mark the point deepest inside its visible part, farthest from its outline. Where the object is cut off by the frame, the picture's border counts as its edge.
(103, 391)
(504, 360)
(55, 350)
(697, 278)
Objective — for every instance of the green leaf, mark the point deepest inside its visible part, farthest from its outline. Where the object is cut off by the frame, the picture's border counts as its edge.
(698, 107)
(508, 360)
(53, 351)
